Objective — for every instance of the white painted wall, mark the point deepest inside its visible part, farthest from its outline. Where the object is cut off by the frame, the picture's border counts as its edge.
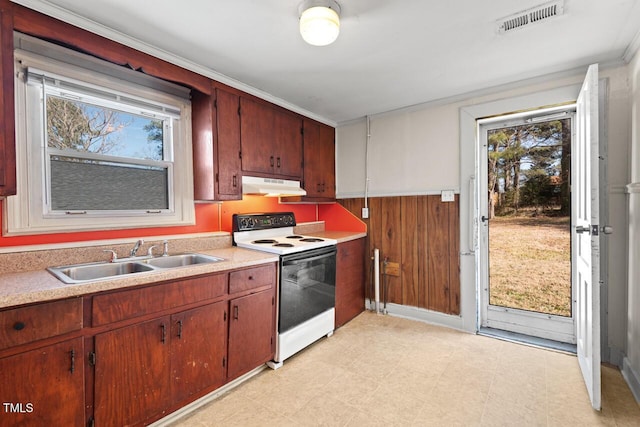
(631, 365)
(428, 148)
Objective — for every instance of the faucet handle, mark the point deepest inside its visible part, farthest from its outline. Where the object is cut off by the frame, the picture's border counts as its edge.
(165, 248)
(114, 255)
(150, 250)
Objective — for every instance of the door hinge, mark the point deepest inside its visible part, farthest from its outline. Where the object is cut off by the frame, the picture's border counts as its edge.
(239, 110)
(215, 103)
(240, 154)
(92, 358)
(225, 316)
(91, 422)
(217, 177)
(302, 130)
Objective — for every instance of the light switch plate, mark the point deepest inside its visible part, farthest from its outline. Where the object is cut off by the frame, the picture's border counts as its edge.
(447, 196)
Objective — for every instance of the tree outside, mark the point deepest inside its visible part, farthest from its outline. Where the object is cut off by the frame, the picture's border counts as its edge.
(529, 211)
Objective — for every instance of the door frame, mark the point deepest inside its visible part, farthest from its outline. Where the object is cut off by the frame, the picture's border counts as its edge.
(541, 325)
(469, 319)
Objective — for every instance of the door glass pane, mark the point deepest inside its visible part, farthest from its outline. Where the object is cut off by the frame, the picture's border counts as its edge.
(529, 212)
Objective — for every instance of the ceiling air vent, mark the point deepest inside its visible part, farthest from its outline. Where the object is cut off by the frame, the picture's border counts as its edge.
(534, 15)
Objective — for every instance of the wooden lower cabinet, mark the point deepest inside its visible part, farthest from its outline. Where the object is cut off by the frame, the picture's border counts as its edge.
(43, 387)
(198, 350)
(251, 332)
(349, 280)
(144, 369)
(132, 373)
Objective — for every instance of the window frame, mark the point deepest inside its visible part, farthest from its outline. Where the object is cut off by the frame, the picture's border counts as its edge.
(28, 212)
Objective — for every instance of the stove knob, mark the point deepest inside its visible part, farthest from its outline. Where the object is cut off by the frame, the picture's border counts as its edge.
(243, 223)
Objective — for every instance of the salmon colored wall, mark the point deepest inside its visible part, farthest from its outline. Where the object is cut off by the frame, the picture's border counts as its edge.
(258, 204)
(337, 218)
(209, 218)
(206, 221)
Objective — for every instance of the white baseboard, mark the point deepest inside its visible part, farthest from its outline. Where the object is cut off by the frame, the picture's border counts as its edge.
(196, 404)
(421, 315)
(632, 378)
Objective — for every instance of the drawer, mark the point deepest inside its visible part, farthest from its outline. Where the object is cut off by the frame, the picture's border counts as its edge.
(123, 305)
(35, 322)
(244, 280)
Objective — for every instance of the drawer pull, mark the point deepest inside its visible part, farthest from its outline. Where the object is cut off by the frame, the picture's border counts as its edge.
(18, 326)
(235, 312)
(180, 329)
(250, 277)
(164, 333)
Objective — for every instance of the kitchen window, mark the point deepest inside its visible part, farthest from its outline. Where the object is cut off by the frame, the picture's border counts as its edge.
(98, 146)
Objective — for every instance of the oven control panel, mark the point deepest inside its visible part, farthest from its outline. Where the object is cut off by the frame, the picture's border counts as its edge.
(261, 221)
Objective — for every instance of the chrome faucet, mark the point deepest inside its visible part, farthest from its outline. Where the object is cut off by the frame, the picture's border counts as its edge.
(135, 248)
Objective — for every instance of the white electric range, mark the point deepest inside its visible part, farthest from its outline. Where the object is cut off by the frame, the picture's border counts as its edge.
(306, 289)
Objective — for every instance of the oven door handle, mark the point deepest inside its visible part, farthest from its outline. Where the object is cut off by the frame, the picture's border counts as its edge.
(300, 261)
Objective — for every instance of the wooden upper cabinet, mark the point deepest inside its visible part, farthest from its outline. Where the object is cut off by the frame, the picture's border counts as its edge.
(227, 145)
(271, 140)
(7, 119)
(319, 163)
(216, 145)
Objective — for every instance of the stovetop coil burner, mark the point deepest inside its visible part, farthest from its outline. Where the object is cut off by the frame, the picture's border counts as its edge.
(265, 241)
(311, 239)
(284, 245)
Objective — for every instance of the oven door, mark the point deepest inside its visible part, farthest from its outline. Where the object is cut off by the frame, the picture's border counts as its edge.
(307, 286)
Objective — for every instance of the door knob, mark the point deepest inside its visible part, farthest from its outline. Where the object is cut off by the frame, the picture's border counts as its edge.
(607, 229)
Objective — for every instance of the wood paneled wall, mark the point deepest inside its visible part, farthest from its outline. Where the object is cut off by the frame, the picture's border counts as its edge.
(422, 235)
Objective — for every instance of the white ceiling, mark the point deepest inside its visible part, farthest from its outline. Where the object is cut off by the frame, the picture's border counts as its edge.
(390, 53)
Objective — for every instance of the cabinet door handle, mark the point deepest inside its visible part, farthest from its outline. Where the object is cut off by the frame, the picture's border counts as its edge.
(278, 163)
(18, 326)
(235, 180)
(163, 336)
(271, 161)
(250, 277)
(235, 312)
(72, 356)
(179, 322)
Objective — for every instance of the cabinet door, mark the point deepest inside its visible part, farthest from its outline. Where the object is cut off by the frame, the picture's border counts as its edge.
(288, 145)
(327, 156)
(44, 386)
(312, 160)
(198, 350)
(132, 373)
(227, 119)
(349, 281)
(251, 332)
(7, 119)
(257, 136)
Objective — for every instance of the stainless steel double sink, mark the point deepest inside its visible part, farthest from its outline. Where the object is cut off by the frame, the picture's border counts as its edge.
(83, 273)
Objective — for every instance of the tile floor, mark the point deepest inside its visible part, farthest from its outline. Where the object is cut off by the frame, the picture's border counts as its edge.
(381, 370)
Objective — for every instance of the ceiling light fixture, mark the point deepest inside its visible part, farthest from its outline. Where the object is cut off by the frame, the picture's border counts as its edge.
(319, 21)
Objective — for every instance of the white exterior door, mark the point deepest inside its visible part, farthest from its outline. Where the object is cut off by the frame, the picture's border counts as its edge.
(585, 234)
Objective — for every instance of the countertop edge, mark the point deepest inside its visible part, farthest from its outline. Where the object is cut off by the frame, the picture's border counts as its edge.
(42, 286)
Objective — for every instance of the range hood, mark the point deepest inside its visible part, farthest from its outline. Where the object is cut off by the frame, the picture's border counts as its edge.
(271, 187)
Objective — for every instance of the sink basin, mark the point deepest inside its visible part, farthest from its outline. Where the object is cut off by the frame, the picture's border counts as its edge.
(181, 260)
(87, 272)
(82, 273)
